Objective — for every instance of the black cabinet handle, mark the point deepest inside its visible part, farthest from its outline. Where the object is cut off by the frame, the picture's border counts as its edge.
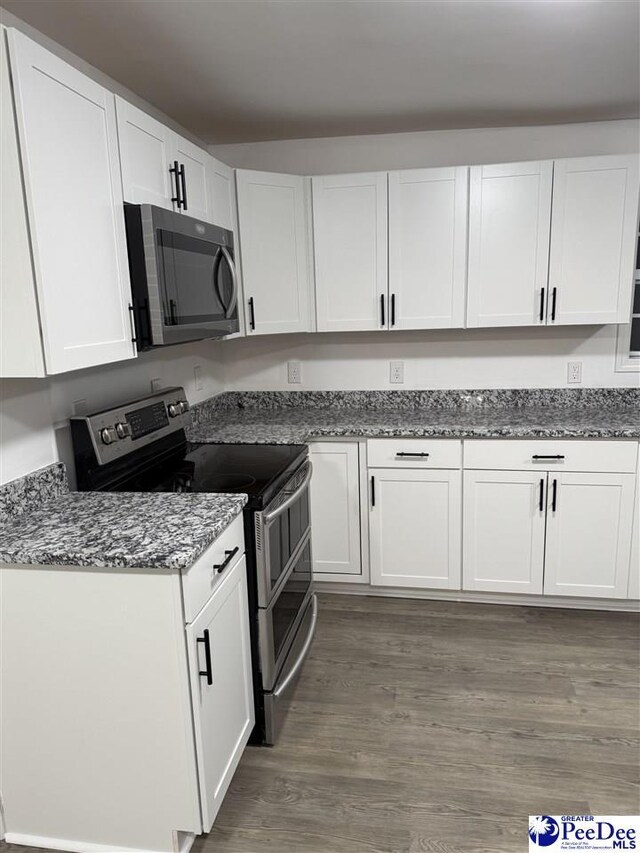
(252, 316)
(208, 672)
(554, 496)
(132, 317)
(542, 304)
(183, 184)
(554, 293)
(229, 555)
(382, 318)
(393, 309)
(550, 456)
(541, 499)
(402, 453)
(172, 312)
(175, 171)
(373, 491)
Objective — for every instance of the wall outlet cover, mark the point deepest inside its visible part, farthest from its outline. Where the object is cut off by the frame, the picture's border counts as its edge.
(574, 372)
(396, 372)
(157, 384)
(79, 408)
(294, 372)
(197, 377)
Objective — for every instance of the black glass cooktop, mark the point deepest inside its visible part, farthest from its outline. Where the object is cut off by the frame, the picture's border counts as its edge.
(258, 470)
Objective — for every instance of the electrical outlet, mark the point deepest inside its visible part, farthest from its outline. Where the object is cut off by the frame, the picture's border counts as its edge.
(79, 408)
(197, 377)
(156, 385)
(294, 372)
(574, 372)
(396, 372)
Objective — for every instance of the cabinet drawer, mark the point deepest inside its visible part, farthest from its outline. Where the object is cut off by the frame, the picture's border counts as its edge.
(414, 453)
(200, 578)
(550, 454)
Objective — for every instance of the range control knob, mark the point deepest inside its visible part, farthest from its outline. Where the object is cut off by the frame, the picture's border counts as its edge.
(184, 405)
(174, 409)
(108, 435)
(123, 430)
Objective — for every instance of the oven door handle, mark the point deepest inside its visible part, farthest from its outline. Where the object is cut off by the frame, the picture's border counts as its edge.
(303, 651)
(269, 517)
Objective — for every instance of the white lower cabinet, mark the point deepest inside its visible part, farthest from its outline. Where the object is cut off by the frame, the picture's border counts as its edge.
(335, 510)
(589, 525)
(504, 526)
(221, 687)
(415, 526)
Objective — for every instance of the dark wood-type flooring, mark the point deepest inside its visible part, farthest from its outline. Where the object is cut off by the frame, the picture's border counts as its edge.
(440, 726)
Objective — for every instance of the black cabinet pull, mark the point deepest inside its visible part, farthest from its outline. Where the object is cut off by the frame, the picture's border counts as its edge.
(393, 309)
(554, 496)
(172, 312)
(252, 316)
(175, 171)
(382, 318)
(402, 453)
(554, 293)
(229, 555)
(132, 317)
(183, 184)
(550, 456)
(542, 304)
(373, 491)
(541, 499)
(208, 672)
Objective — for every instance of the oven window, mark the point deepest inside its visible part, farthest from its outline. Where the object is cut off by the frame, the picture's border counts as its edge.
(287, 606)
(285, 534)
(197, 284)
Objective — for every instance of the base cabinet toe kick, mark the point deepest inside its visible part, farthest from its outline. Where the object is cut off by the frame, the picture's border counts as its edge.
(549, 521)
(127, 700)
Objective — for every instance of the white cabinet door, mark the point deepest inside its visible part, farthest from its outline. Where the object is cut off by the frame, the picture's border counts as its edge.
(20, 344)
(509, 219)
(350, 244)
(428, 248)
(503, 539)
(275, 253)
(415, 528)
(69, 145)
(145, 155)
(593, 238)
(223, 712)
(335, 509)
(589, 534)
(196, 199)
(634, 564)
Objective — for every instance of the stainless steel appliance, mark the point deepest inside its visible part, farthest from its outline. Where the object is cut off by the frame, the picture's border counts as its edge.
(141, 446)
(183, 277)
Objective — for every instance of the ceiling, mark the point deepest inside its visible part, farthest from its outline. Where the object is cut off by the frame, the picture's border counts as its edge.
(243, 70)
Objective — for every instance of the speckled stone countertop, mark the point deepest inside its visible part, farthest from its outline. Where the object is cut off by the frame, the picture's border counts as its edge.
(119, 529)
(290, 424)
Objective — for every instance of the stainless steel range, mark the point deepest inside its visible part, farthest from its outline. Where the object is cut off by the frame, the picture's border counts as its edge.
(141, 446)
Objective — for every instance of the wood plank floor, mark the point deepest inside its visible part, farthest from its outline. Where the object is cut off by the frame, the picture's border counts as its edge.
(440, 726)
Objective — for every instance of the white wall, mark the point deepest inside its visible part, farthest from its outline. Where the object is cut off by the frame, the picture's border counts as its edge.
(34, 413)
(433, 148)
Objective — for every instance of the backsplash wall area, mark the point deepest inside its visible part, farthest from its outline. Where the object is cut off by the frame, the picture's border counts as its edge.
(34, 413)
(459, 358)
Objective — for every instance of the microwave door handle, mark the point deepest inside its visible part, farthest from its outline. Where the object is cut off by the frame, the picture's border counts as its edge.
(215, 276)
(269, 517)
(234, 281)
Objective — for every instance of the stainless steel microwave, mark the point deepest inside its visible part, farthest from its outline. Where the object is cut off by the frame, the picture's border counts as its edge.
(183, 277)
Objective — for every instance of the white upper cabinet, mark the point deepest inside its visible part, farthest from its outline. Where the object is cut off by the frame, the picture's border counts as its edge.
(20, 344)
(160, 167)
(593, 232)
(350, 244)
(272, 211)
(69, 147)
(589, 524)
(427, 248)
(145, 152)
(509, 219)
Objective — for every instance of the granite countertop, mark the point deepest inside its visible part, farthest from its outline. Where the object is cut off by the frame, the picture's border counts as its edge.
(119, 529)
(294, 425)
